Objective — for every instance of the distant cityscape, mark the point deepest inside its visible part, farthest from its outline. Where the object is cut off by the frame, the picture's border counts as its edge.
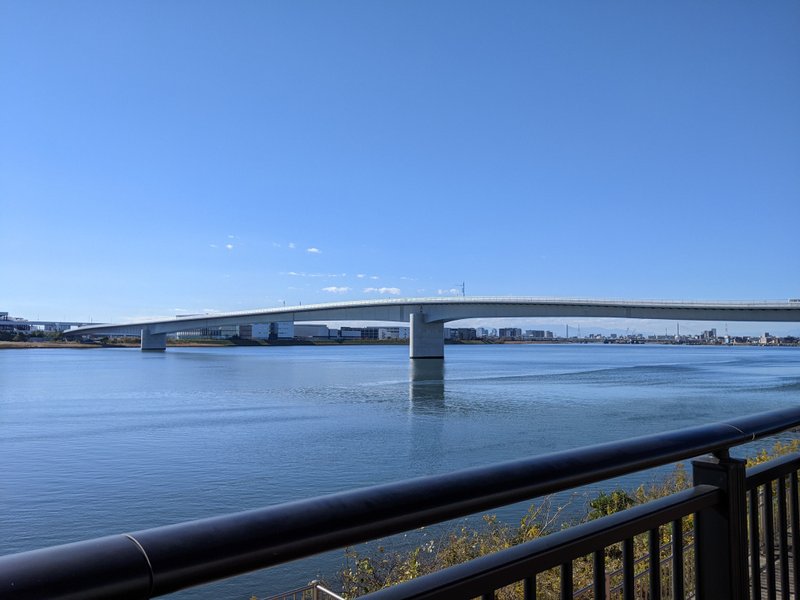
(21, 329)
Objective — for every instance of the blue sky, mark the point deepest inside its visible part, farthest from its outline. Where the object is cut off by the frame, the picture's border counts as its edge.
(160, 157)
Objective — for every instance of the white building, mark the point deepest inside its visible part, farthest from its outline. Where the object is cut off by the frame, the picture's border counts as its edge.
(393, 333)
(283, 330)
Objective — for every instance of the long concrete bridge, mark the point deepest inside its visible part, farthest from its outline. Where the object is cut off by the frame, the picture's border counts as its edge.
(427, 316)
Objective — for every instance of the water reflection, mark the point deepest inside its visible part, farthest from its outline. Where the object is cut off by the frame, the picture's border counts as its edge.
(426, 396)
(426, 384)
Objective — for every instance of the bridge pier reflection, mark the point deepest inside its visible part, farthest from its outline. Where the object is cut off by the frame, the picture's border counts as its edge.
(427, 414)
(426, 383)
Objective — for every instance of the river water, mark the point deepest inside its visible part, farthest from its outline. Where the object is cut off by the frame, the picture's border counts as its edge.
(103, 441)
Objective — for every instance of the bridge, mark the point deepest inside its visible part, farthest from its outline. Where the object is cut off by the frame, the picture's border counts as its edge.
(427, 316)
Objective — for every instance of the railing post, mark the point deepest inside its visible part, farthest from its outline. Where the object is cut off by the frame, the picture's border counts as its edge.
(721, 531)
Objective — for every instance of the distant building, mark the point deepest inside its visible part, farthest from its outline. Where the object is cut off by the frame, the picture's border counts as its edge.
(281, 330)
(13, 323)
(538, 334)
(510, 333)
(209, 333)
(393, 333)
(369, 333)
(256, 331)
(463, 334)
(309, 331)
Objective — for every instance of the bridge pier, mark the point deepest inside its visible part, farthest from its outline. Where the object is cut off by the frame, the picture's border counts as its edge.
(426, 339)
(153, 341)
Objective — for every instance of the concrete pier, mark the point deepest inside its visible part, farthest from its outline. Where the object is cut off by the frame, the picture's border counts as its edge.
(153, 341)
(426, 339)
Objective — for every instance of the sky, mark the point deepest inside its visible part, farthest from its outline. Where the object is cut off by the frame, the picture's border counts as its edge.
(158, 158)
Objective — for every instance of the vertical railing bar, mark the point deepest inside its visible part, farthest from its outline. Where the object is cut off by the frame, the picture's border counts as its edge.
(599, 574)
(769, 541)
(627, 569)
(783, 538)
(655, 563)
(530, 588)
(755, 546)
(677, 559)
(794, 499)
(566, 581)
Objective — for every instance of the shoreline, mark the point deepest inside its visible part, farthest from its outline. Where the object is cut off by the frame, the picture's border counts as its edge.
(265, 344)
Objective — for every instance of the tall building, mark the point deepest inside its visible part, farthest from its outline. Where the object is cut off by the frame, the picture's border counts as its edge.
(510, 333)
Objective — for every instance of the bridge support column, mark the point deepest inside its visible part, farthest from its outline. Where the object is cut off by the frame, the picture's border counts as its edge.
(427, 339)
(153, 341)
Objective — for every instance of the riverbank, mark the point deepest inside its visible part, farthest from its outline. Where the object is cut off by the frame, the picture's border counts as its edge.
(85, 346)
(196, 344)
(210, 343)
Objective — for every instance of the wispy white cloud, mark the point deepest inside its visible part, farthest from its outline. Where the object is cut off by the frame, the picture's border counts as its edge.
(383, 290)
(313, 250)
(361, 275)
(212, 245)
(231, 236)
(229, 246)
(292, 245)
(374, 277)
(450, 292)
(276, 245)
(336, 290)
(304, 274)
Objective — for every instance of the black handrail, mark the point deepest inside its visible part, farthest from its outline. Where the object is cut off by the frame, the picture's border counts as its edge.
(166, 559)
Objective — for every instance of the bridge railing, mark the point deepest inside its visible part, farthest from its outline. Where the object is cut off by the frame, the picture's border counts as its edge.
(166, 559)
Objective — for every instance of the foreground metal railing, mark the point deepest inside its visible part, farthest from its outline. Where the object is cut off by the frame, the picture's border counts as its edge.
(159, 561)
(641, 579)
(313, 591)
(774, 524)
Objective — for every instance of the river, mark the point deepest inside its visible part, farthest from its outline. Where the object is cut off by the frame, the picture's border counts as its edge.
(103, 441)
